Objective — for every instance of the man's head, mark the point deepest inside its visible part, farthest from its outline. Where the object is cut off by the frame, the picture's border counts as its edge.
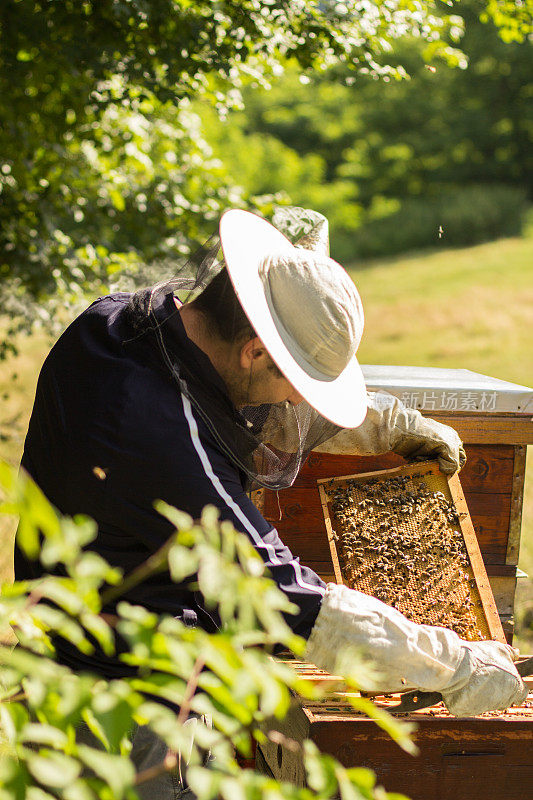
(305, 310)
(238, 354)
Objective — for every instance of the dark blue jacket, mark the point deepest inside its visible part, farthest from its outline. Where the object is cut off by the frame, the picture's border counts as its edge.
(103, 401)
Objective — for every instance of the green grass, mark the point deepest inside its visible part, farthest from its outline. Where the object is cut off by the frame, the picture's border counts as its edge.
(469, 308)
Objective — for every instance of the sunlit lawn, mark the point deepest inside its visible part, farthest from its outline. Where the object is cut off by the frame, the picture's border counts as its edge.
(469, 308)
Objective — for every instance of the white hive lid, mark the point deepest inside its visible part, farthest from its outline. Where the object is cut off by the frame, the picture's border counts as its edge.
(449, 390)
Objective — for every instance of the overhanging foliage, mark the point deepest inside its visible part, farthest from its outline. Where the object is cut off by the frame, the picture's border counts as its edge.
(103, 164)
(227, 675)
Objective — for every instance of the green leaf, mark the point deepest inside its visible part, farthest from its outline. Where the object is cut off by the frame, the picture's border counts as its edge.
(180, 520)
(73, 695)
(91, 570)
(163, 686)
(163, 722)
(95, 727)
(79, 790)
(204, 782)
(63, 592)
(13, 718)
(182, 563)
(137, 614)
(24, 55)
(64, 544)
(53, 769)
(67, 627)
(393, 796)
(36, 513)
(397, 729)
(350, 788)
(210, 521)
(101, 631)
(226, 701)
(233, 789)
(35, 793)
(44, 734)
(363, 777)
(8, 769)
(275, 699)
(320, 770)
(30, 664)
(117, 199)
(8, 692)
(113, 714)
(116, 771)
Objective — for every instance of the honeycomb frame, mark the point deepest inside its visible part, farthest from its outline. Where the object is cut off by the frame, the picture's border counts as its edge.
(405, 536)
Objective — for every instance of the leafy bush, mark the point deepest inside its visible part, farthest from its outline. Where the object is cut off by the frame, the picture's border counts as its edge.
(101, 165)
(453, 219)
(239, 685)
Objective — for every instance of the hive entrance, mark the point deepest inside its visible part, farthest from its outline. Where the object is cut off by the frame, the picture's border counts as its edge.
(405, 537)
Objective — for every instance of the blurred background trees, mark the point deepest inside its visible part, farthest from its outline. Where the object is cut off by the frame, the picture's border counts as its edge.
(119, 147)
(103, 165)
(393, 162)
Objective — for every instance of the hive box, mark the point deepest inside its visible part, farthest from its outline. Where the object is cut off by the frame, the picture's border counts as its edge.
(494, 419)
(480, 758)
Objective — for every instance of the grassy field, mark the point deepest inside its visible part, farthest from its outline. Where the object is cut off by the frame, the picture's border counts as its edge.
(469, 308)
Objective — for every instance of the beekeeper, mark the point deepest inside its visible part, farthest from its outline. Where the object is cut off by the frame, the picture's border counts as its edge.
(145, 397)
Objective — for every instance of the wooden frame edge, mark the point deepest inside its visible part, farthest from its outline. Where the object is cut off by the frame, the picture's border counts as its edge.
(329, 532)
(517, 497)
(488, 603)
(476, 559)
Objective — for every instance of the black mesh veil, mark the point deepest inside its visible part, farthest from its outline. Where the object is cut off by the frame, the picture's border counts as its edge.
(270, 442)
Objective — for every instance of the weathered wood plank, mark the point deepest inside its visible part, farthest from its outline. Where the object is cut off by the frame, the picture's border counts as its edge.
(505, 570)
(489, 468)
(490, 515)
(476, 560)
(517, 499)
(489, 429)
(329, 532)
(503, 589)
(474, 758)
(328, 465)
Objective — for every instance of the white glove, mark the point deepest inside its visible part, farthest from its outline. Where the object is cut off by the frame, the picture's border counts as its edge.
(472, 676)
(389, 425)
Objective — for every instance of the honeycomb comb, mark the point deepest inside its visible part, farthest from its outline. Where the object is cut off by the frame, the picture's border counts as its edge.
(404, 535)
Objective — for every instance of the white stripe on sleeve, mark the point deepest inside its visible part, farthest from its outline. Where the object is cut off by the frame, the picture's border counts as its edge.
(241, 516)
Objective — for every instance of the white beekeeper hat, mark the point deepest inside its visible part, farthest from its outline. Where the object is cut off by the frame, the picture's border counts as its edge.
(305, 309)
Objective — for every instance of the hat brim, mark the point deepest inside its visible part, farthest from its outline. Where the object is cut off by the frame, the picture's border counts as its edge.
(246, 239)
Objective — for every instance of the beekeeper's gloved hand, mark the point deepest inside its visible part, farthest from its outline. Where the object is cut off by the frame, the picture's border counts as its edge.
(389, 425)
(472, 676)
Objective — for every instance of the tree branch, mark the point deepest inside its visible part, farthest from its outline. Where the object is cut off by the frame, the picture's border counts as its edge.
(155, 563)
(170, 761)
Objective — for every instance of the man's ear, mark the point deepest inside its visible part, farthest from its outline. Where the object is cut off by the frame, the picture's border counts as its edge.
(251, 352)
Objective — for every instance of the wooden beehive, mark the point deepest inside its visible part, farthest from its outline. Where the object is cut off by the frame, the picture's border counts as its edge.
(405, 536)
(489, 756)
(494, 420)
